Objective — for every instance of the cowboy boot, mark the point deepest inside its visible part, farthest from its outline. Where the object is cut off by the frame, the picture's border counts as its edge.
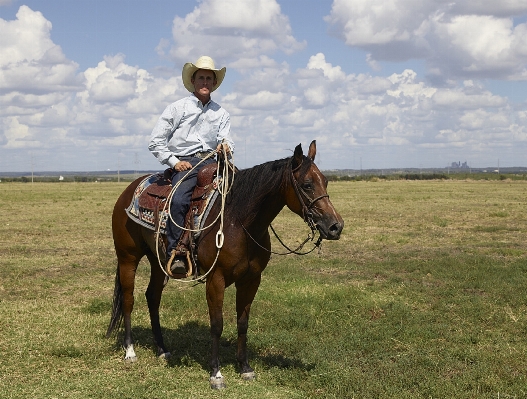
(176, 264)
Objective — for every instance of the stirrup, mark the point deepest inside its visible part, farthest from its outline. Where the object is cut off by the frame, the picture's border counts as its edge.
(179, 265)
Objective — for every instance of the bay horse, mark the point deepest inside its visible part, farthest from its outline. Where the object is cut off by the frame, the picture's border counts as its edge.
(256, 197)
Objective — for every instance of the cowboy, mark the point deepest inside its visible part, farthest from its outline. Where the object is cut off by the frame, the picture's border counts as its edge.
(188, 131)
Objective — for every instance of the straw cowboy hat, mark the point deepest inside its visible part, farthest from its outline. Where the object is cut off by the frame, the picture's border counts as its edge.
(203, 62)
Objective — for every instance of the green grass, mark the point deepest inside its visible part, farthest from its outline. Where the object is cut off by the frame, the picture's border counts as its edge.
(423, 297)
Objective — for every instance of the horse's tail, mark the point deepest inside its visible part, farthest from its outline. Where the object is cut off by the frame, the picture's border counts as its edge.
(117, 307)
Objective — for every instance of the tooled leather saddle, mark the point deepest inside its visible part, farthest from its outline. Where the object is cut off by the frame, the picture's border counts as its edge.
(149, 206)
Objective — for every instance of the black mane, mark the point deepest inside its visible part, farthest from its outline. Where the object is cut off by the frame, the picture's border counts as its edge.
(254, 185)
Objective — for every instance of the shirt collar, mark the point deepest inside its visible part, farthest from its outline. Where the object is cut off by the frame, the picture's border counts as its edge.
(198, 102)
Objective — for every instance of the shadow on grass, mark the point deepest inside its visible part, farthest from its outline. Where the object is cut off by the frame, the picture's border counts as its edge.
(190, 343)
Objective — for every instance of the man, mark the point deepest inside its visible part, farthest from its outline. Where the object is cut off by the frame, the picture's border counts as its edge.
(187, 131)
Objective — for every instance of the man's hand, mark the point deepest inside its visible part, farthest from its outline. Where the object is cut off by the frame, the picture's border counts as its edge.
(223, 146)
(182, 165)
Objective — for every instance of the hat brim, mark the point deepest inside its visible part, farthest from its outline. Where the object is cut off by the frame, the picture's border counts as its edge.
(189, 69)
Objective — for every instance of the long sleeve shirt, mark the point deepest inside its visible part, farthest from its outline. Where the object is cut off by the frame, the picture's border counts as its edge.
(186, 127)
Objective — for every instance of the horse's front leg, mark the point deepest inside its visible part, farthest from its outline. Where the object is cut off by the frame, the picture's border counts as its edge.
(215, 295)
(245, 293)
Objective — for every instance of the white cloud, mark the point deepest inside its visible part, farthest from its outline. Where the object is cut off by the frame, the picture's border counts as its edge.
(232, 30)
(111, 107)
(262, 100)
(54, 116)
(36, 81)
(504, 8)
(319, 62)
(479, 46)
(461, 98)
(480, 118)
(316, 96)
(31, 62)
(16, 134)
(45, 102)
(457, 39)
(400, 113)
(375, 22)
(408, 86)
(248, 63)
(300, 118)
(112, 80)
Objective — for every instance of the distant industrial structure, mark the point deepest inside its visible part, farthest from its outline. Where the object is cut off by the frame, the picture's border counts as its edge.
(459, 165)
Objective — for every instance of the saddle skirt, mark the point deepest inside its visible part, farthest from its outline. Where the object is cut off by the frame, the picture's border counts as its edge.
(150, 209)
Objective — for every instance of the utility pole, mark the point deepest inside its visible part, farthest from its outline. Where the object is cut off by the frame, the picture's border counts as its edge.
(32, 167)
(361, 166)
(136, 162)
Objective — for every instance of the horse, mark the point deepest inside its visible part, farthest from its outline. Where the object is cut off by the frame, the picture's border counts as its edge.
(256, 197)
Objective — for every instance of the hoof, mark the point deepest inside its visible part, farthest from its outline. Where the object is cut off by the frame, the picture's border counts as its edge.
(129, 356)
(217, 383)
(251, 375)
(165, 355)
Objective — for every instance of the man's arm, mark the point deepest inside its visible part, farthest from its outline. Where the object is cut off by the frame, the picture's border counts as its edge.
(160, 136)
(224, 134)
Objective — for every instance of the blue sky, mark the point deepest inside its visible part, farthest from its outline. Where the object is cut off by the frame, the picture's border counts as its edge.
(378, 83)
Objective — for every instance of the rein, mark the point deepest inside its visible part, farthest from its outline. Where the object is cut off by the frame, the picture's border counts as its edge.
(307, 216)
(310, 237)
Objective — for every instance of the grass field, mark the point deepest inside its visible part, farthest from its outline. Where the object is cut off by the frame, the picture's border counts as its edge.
(424, 296)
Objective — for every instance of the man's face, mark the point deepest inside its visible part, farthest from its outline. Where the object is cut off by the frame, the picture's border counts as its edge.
(204, 81)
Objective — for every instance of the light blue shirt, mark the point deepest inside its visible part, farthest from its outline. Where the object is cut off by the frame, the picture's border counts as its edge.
(186, 127)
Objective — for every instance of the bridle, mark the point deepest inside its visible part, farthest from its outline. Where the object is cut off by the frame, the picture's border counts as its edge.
(301, 194)
(307, 215)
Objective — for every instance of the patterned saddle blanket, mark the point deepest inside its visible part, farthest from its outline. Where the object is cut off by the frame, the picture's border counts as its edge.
(149, 206)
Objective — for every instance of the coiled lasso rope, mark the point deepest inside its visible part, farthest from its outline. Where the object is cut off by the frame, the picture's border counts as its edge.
(223, 188)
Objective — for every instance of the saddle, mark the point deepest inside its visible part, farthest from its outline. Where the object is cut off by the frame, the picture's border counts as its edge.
(149, 206)
(151, 200)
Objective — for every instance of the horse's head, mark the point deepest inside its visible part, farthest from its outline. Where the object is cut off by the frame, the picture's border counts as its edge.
(307, 195)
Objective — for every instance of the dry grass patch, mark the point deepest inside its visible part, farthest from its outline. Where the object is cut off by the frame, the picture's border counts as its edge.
(421, 297)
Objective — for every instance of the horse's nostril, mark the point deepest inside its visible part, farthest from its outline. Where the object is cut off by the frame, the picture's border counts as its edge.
(335, 230)
(336, 227)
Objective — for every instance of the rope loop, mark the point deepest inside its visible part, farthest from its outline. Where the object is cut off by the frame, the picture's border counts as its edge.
(219, 239)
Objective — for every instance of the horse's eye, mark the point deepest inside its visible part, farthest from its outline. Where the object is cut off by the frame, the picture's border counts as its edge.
(307, 186)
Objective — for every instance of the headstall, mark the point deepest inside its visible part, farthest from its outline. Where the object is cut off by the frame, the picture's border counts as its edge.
(301, 194)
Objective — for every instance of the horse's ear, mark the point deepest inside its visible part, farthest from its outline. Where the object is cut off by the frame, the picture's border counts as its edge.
(312, 150)
(299, 155)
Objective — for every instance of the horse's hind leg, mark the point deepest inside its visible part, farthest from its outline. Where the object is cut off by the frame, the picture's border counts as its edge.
(127, 269)
(158, 280)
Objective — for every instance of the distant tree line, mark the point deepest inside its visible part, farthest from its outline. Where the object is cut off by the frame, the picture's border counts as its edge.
(66, 179)
(329, 176)
(402, 176)
(428, 176)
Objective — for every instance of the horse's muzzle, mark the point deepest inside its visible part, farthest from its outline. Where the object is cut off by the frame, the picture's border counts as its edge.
(331, 231)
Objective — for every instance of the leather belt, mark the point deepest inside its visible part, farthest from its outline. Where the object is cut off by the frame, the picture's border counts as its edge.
(201, 154)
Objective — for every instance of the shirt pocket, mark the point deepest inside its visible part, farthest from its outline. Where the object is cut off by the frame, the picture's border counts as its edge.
(209, 127)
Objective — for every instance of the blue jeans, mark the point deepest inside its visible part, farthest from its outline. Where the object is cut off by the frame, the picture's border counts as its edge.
(180, 203)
